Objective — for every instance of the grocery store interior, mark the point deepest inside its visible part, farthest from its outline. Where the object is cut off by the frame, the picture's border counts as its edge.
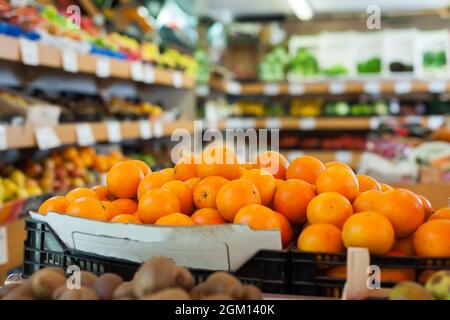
(343, 108)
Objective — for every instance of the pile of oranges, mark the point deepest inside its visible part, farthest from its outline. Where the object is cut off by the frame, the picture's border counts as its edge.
(331, 206)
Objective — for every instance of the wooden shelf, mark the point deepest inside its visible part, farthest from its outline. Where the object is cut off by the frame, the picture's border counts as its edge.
(51, 57)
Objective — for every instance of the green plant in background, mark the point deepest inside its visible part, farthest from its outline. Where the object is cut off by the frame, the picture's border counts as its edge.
(202, 66)
(372, 65)
(304, 63)
(434, 59)
(273, 66)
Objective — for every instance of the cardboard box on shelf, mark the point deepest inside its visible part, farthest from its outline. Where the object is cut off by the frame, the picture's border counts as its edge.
(219, 247)
(12, 236)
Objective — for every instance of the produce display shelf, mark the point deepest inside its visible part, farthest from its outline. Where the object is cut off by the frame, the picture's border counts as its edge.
(51, 57)
(332, 86)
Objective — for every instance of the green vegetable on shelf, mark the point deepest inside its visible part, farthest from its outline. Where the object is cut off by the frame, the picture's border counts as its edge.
(335, 70)
(304, 63)
(434, 60)
(273, 65)
(372, 65)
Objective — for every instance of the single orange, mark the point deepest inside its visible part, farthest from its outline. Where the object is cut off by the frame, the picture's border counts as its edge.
(207, 216)
(306, 168)
(87, 207)
(366, 201)
(273, 162)
(443, 213)
(175, 219)
(332, 164)
(369, 229)
(192, 182)
(367, 183)
(329, 207)
(404, 245)
(54, 204)
(403, 209)
(205, 192)
(102, 163)
(183, 193)
(339, 180)
(259, 217)
(235, 195)
(292, 198)
(169, 171)
(432, 239)
(186, 168)
(126, 218)
(385, 187)
(111, 209)
(126, 206)
(144, 167)
(81, 192)
(102, 192)
(123, 179)
(427, 208)
(320, 237)
(218, 161)
(157, 203)
(152, 181)
(264, 182)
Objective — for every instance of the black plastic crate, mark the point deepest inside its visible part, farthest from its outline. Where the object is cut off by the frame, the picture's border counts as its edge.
(268, 270)
(309, 271)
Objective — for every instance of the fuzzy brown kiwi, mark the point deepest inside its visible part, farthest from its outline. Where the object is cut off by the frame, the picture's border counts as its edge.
(45, 281)
(106, 284)
(156, 274)
(84, 293)
(168, 294)
(218, 282)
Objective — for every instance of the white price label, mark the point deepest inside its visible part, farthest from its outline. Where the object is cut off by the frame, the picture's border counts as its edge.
(158, 129)
(114, 134)
(374, 123)
(273, 123)
(85, 136)
(271, 89)
(3, 137)
(70, 60)
(372, 87)
(202, 90)
(149, 73)
(233, 87)
(137, 71)
(413, 120)
(402, 87)
(177, 79)
(437, 86)
(46, 138)
(145, 129)
(307, 123)
(344, 156)
(43, 115)
(296, 89)
(103, 67)
(3, 245)
(435, 122)
(29, 51)
(336, 87)
(239, 123)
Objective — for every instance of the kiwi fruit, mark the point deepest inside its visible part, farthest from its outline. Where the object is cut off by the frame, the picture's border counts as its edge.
(124, 291)
(156, 274)
(87, 279)
(84, 293)
(217, 296)
(184, 278)
(45, 281)
(168, 294)
(250, 292)
(57, 293)
(218, 282)
(105, 285)
(8, 288)
(23, 292)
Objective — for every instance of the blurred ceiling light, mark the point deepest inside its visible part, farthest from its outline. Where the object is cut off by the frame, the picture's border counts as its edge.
(302, 9)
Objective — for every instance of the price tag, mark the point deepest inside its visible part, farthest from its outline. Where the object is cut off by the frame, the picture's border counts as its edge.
(114, 134)
(149, 73)
(29, 51)
(435, 122)
(271, 89)
(3, 245)
(248, 123)
(437, 86)
(296, 89)
(233, 87)
(239, 123)
(137, 71)
(413, 120)
(145, 129)
(85, 136)
(372, 87)
(202, 90)
(103, 67)
(46, 138)
(344, 156)
(3, 137)
(374, 123)
(69, 60)
(307, 123)
(402, 87)
(158, 129)
(273, 123)
(336, 87)
(43, 115)
(177, 79)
